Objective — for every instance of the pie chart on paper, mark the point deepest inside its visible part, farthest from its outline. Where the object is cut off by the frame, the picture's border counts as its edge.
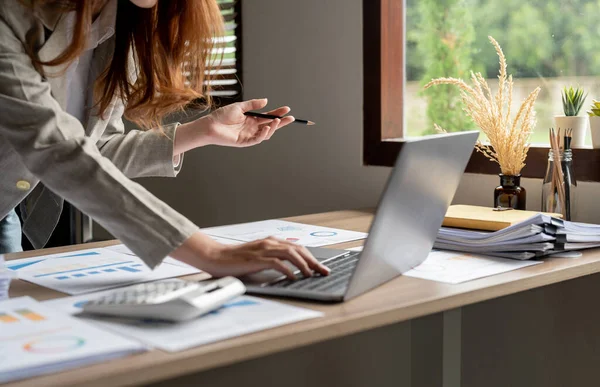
(323, 233)
(54, 344)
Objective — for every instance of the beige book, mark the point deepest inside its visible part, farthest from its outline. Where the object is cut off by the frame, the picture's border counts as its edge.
(485, 218)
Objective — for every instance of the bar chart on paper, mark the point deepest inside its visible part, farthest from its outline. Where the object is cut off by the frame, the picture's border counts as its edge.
(121, 248)
(92, 270)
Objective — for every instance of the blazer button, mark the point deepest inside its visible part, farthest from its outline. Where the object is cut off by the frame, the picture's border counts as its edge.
(23, 185)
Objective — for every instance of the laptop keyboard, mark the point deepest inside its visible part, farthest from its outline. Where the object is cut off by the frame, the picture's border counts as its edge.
(341, 267)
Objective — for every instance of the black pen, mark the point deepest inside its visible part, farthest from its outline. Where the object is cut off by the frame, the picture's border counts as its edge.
(272, 117)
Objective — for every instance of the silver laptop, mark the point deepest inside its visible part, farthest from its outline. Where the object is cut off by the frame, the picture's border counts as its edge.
(410, 212)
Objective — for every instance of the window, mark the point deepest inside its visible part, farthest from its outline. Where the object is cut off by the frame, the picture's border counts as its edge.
(227, 86)
(547, 43)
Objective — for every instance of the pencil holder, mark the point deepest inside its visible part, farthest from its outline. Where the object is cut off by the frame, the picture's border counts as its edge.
(559, 189)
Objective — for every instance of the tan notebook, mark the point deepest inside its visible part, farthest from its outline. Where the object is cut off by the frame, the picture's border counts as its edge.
(485, 218)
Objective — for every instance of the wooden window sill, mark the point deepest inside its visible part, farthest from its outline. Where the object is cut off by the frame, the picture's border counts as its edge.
(586, 161)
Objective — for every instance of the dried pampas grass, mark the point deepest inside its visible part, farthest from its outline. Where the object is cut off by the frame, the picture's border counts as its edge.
(509, 139)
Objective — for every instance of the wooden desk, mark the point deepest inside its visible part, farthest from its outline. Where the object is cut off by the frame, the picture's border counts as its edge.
(412, 332)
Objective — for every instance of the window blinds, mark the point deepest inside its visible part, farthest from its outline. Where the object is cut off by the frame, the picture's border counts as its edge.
(225, 80)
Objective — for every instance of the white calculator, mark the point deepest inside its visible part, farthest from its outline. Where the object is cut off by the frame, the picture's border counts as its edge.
(170, 300)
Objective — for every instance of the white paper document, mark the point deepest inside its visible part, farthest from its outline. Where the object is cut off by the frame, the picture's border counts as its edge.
(91, 270)
(121, 248)
(36, 340)
(168, 260)
(302, 234)
(454, 267)
(241, 316)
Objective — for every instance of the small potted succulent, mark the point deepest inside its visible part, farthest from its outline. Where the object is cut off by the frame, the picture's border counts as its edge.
(572, 100)
(594, 114)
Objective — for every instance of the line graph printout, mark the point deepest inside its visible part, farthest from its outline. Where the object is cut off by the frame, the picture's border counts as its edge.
(35, 340)
(92, 270)
(240, 316)
(302, 234)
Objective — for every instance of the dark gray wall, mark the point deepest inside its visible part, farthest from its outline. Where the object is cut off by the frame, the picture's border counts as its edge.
(306, 54)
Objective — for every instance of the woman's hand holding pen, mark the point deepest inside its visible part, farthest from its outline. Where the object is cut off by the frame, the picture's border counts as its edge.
(222, 260)
(228, 126)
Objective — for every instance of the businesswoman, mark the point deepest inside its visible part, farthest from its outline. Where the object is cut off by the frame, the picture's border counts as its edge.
(69, 71)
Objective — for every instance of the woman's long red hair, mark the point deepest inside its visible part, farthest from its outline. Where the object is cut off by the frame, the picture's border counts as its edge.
(171, 45)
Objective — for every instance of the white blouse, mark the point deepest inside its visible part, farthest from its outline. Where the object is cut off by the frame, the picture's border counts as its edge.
(79, 96)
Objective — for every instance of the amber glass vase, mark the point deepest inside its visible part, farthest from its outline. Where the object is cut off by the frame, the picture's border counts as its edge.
(510, 194)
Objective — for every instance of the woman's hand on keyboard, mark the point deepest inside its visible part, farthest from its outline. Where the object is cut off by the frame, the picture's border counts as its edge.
(237, 260)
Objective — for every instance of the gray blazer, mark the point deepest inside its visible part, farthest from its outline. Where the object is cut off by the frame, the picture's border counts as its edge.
(47, 155)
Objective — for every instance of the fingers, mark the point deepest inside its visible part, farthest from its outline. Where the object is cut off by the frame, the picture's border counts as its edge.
(281, 111)
(302, 253)
(286, 121)
(268, 130)
(298, 255)
(270, 134)
(312, 262)
(253, 104)
(276, 124)
(283, 122)
(269, 253)
(289, 253)
(261, 135)
(277, 264)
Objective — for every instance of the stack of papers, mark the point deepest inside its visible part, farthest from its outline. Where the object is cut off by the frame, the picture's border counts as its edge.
(241, 316)
(93, 270)
(36, 340)
(538, 236)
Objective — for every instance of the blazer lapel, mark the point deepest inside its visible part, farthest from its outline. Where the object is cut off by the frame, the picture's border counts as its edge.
(42, 208)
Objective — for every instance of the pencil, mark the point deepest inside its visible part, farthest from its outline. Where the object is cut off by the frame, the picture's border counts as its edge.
(272, 117)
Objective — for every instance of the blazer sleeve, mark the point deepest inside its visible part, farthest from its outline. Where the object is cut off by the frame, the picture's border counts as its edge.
(53, 146)
(139, 153)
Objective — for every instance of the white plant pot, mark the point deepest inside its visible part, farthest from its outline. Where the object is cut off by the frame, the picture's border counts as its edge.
(579, 126)
(595, 130)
